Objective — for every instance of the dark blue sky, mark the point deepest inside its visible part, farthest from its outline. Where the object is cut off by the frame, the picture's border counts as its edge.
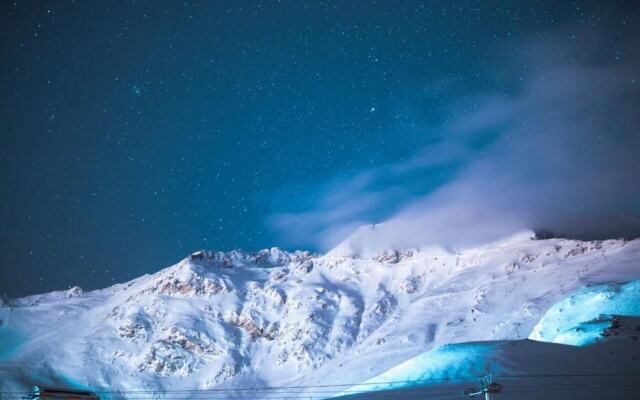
(133, 133)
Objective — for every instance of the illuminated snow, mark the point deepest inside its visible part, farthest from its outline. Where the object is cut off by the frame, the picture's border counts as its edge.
(581, 318)
(449, 362)
(577, 320)
(274, 318)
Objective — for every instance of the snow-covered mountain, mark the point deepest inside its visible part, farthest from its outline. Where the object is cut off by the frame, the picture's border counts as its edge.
(275, 318)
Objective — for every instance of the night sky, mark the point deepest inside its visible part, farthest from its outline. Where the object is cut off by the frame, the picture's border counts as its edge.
(133, 133)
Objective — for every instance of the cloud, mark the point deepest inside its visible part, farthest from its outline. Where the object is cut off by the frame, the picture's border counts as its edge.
(560, 152)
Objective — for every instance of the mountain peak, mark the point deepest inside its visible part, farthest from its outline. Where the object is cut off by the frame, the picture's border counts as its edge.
(272, 316)
(272, 257)
(378, 240)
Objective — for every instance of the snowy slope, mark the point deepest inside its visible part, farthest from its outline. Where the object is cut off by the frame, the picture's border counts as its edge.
(526, 369)
(217, 320)
(587, 344)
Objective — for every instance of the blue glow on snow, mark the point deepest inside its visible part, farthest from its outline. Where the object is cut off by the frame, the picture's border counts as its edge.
(446, 362)
(580, 319)
(10, 340)
(577, 320)
(9, 344)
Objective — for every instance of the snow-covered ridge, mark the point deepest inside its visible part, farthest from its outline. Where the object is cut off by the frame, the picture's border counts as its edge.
(273, 257)
(221, 319)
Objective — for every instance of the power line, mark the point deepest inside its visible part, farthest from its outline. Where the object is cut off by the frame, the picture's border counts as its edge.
(399, 394)
(304, 391)
(418, 381)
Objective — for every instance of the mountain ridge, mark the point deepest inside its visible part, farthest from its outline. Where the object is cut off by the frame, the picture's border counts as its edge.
(223, 319)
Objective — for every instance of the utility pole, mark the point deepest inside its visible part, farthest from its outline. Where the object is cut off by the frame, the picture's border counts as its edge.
(487, 386)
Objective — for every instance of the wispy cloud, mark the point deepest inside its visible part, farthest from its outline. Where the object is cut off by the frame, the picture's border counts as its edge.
(562, 152)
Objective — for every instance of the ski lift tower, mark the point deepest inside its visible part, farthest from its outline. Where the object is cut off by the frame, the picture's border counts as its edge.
(487, 386)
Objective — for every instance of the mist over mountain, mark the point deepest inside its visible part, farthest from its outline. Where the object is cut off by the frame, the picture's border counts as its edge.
(314, 200)
(557, 151)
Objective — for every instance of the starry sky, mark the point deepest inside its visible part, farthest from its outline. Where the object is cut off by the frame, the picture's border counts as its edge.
(135, 132)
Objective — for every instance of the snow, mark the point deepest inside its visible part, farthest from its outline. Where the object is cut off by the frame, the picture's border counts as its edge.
(581, 318)
(527, 370)
(448, 362)
(276, 318)
(593, 315)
